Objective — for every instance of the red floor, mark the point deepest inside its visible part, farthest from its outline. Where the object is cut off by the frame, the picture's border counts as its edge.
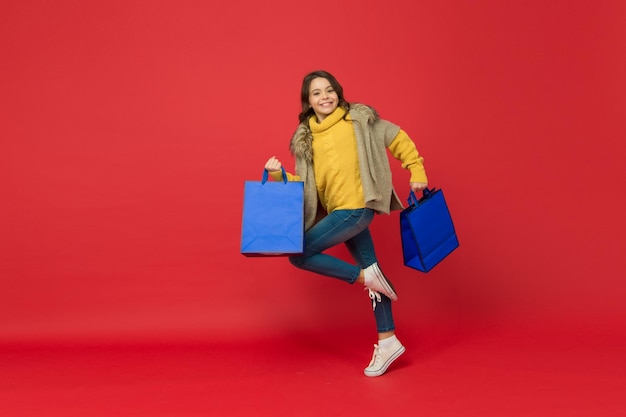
(514, 371)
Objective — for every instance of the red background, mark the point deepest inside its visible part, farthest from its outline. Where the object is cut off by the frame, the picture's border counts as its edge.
(129, 127)
(127, 130)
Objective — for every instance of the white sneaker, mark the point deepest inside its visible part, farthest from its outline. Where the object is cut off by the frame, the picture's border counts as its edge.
(382, 358)
(376, 281)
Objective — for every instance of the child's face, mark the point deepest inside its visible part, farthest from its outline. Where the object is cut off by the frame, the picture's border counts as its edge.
(322, 98)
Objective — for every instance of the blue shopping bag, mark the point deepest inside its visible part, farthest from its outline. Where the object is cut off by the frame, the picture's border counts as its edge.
(428, 234)
(273, 217)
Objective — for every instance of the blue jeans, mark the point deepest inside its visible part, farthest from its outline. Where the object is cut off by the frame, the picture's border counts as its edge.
(349, 227)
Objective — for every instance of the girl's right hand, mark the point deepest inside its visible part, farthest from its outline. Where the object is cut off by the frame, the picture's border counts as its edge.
(273, 165)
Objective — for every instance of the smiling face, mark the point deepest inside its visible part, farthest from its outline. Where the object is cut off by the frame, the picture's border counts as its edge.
(323, 98)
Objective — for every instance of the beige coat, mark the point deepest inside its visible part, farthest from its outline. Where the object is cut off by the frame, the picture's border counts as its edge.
(373, 136)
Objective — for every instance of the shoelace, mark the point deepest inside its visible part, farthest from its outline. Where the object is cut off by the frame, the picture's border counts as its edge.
(376, 357)
(374, 296)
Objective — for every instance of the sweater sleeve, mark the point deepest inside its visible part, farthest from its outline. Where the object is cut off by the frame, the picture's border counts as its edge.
(278, 176)
(403, 149)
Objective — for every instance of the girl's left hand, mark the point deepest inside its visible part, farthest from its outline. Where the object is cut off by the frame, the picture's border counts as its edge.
(418, 186)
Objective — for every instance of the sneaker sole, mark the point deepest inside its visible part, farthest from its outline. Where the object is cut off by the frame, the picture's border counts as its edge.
(386, 365)
(386, 284)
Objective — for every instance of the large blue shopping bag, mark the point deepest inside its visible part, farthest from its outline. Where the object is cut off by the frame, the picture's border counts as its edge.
(428, 234)
(273, 217)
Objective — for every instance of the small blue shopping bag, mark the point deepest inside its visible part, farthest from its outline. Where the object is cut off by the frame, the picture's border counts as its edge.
(428, 234)
(273, 217)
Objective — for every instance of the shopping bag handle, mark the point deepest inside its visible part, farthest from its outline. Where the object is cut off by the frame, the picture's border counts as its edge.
(265, 176)
(426, 193)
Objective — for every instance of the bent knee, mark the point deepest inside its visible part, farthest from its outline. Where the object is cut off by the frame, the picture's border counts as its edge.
(297, 260)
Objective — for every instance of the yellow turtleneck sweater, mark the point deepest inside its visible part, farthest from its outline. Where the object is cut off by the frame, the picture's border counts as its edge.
(336, 165)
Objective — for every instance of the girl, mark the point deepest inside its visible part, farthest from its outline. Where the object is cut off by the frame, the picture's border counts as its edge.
(340, 152)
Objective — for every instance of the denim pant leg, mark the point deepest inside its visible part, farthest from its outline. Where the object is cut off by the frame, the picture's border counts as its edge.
(337, 227)
(361, 248)
(349, 227)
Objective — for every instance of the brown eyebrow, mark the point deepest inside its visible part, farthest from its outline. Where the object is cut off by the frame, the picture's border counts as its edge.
(320, 89)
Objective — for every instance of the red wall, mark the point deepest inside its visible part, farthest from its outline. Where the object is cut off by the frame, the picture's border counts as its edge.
(128, 128)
